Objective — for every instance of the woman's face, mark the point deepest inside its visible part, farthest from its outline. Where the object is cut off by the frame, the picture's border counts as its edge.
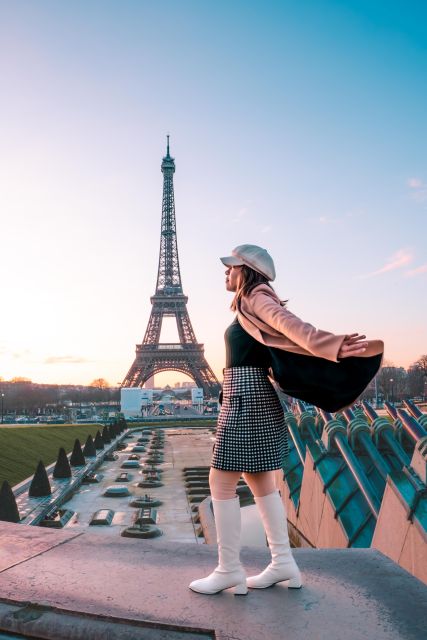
(232, 275)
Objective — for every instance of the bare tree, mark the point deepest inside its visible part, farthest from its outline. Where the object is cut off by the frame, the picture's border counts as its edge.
(415, 381)
(421, 365)
(100, 383)
(392, 382)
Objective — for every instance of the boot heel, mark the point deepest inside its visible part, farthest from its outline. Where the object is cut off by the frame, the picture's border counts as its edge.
(294, 583)
(240, 589)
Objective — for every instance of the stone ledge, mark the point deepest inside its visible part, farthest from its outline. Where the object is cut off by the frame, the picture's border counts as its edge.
(20, 544)
(50, 623)
(356, 593)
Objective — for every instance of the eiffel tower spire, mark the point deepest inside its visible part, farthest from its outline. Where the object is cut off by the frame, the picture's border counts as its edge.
(169, 300)
(169, 276)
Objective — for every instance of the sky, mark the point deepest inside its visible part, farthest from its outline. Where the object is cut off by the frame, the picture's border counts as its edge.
(300, 127)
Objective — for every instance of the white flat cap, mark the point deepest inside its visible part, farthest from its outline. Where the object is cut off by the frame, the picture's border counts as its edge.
(254, 257)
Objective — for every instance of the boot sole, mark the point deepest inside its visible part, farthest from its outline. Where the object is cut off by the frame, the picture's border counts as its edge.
(268, 586)
(214, 593)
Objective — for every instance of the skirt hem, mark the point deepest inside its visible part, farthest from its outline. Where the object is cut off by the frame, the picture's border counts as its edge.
(223, 468)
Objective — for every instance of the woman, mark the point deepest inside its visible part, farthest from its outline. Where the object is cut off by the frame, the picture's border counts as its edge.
(252, 436)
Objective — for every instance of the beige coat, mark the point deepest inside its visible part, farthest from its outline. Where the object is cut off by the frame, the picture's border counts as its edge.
(266, 320)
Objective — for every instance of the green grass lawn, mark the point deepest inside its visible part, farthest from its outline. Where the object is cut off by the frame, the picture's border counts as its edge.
(22, 446)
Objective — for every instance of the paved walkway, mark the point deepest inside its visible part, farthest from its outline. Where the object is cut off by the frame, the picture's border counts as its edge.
(183, 448)
(117, 584)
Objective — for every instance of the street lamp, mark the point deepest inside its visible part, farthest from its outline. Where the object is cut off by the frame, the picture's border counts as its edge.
(376, 392)
(391, 381)
(2, 405)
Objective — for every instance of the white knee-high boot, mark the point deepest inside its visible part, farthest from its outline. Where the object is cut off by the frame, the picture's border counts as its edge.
(229, 572)
(282, 566)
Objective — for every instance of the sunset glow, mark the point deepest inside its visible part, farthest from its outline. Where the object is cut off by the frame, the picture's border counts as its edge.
(297, 127)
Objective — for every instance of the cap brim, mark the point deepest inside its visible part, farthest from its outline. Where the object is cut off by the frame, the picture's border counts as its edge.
(232, 261)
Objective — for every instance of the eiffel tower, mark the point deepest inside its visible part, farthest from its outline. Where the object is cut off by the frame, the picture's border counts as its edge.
(169, 300)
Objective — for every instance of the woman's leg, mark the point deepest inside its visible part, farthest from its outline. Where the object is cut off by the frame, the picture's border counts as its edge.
(226, 508)
(223, 483)
(260, 484)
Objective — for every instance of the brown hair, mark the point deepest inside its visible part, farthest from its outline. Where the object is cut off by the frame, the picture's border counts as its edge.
(249, 279)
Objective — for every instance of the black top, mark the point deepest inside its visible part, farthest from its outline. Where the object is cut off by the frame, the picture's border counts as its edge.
(242, 350)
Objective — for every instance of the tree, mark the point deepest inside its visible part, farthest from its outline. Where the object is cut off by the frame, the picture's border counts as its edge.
(421, 365)
(20, 379)
(392, 381)
(100, 383)
(415, 381)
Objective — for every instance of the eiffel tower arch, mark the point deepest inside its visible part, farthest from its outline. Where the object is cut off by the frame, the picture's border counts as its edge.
(186, 356)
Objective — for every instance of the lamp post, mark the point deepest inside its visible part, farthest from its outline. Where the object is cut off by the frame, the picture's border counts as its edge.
(2, 406)
(391, 382)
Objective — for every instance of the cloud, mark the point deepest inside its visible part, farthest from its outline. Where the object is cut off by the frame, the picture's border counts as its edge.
(339, 219)
(417, 271)
(65, 360)
(414, 183)
(266, 229)
(21, 354)
(417, 189)
(16, 355)
(327, 219)
(240, 214)
(398, 260)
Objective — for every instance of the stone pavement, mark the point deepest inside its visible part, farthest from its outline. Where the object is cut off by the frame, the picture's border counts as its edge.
(183, 448)
(57, 585)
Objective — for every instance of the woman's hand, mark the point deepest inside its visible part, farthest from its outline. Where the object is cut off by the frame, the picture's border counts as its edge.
(352, 346)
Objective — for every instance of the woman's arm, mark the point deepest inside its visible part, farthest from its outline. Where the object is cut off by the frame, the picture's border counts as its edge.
(320, 343)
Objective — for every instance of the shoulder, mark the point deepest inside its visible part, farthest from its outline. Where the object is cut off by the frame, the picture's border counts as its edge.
(261, 293)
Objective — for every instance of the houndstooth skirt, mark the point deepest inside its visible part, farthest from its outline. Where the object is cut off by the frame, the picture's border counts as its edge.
(251, 433)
